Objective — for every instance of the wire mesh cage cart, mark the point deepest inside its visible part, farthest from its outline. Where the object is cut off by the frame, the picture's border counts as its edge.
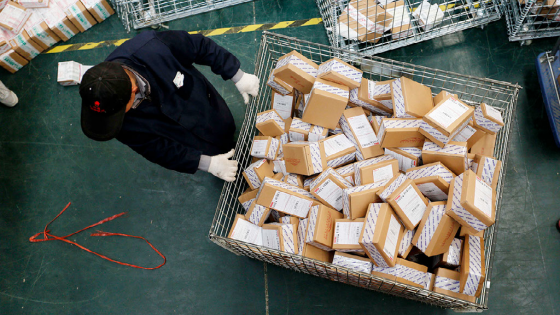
(530, 19)
(375, 26)
(472, 90)
(548, 69)
(143, 13)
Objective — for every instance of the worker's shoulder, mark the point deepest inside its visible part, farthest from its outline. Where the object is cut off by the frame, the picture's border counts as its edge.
(135, 45)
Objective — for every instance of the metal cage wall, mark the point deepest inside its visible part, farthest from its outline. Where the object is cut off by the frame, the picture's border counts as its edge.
(143, 13)
(402, 22)
(531, 19)
(470, 89)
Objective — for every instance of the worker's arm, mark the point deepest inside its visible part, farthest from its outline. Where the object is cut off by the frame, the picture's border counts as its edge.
(189, 49)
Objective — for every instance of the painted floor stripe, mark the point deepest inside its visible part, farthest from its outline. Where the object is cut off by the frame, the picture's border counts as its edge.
(214, 32)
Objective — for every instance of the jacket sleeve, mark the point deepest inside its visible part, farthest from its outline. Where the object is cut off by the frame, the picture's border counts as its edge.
(164, 152)
(189, 49)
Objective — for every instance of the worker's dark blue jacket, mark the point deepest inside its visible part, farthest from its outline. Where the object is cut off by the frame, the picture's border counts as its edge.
(176, 125)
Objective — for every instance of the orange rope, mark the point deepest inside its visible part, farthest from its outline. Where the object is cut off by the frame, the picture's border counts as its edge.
(49, 237)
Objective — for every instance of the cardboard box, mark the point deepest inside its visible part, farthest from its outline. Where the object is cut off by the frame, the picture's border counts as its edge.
(289, 237)
(71, 73)
(33, 4)
(404, 271)
(408, 203)
(464, 231)
(272, 236)
(297, 71)
(484, 146)
(361, 97)
(365, 169)
(370, 30)
(340, 72)
(452, 257)
(347, 235)
(434, 135)
(455, 209)
(447, 282)
(99, 9)
(285, 198)
(429, 16)
(12, 61)
(245, 231)
(449, 115)
(313, 252)
(381, 235)
(302, 131)
(391, 186)
(358, 130)
(376, 122)
(473, 269)
(255, 173)
(407, 157)
(13, 17)
(352, 262)
(327, 188)
(278, 85)
(269, 123)
(327, 101)
(410, 98)
(257, 214)
(77, 13)
(488, 118)
(283, 104)
(305, 158)
(488, 169)
(347, 172)
(265, 147)
(398, 132)
(23, 45)
(247, 198)
(478, 198)
(381, 92)
(357, 199)
(56, 20)
(294, 179)
(400, 28)
(436, 230)
(406, 243)
(39, 31)
(338, 150)
(453, 155)
(443, 95)
(320, 228)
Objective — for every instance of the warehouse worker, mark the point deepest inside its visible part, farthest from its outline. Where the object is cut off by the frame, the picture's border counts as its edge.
(148, 95)
(7, 96)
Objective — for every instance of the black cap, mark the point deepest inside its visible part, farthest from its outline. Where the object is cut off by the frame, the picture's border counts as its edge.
(105, 90)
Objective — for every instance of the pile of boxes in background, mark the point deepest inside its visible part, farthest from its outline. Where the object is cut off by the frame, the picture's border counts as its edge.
(382, 178)
(28, 27)
(370, 21)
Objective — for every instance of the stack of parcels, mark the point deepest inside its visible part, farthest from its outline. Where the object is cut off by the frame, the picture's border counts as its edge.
(405, 195)
(29, 27)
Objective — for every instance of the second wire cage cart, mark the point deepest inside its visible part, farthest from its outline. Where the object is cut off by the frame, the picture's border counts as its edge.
(530, 19)
(375, 26)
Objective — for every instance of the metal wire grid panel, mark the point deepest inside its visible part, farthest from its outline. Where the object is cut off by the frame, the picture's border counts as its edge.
(401, 27)
(470, 89)
(143, 13)
(548, 70)
(531, 19)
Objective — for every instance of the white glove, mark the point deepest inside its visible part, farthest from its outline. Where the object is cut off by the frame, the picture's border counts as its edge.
(248, 84)
(221, 166)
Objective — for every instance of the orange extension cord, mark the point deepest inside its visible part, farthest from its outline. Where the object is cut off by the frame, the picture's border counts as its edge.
(49, 237)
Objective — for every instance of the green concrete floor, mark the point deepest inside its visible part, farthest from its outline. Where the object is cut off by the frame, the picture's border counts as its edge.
(46, 161)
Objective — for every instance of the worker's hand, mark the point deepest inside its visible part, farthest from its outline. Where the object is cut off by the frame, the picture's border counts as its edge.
(221, 166)
(248, 84)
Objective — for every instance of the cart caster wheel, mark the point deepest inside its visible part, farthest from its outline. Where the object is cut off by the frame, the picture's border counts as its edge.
(526, 42)
(482, 26)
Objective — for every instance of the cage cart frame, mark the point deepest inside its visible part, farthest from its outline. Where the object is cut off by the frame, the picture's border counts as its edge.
(457, 15)
(531, 19)
(144, 13)
(470, 89)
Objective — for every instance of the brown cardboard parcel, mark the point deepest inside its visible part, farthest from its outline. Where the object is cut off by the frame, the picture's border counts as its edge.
(262, 169)
(478, 198)
(401, 276)
(454, 160)
(381, 235)
(357, 201)
(298, 157)
(408, 203)
(12, 61)
(257, 214)
(347, 235)
(442, 274)
(485, 146)
(443, 230)
(338, 77)
(99, 9)
(264, 147)
(415, 99)
(489, 170)
(449, 115)
(247, 195)
(441, 95)
(278, 85)
(270, 123)
(337, 146)
(473, 266)
(320, 227)
(364, 95)
(328, 187)
(323, 107)
(377, 20)
(300, 77)
(396, 137)
(491, 120)
(379, 172)
(362, 132)
(407, 157)
(285, 200)
(283, 104)
(80, 17)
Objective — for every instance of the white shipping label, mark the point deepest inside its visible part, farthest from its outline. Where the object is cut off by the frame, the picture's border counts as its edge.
(433, 192)
(483, 197)
(290, 204)
(411, 204)
(271, 239)
(347, 232)
(392, 238)
(448, 112)
(331, 193)
(363, 131)
(247, 232)
(494, 113)
(383, 173)
(259, 148)
(337, 144)
(283, 105)
(296, 136)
